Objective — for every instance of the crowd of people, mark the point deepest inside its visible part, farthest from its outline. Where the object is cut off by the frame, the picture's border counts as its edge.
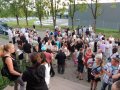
(92, 53)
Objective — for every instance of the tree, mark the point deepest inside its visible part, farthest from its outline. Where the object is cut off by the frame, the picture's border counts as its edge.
(15, 6)
(55, 9)
(72, 9)
(4, 5)
(25, 9)
(40, 8)
(96, 11)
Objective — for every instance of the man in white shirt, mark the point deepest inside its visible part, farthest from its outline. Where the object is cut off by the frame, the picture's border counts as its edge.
(10, 34)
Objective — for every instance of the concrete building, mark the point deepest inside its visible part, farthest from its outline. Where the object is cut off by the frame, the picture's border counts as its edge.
(110, 17)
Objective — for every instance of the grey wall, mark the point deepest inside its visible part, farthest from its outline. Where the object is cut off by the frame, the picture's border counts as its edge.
(110, 17)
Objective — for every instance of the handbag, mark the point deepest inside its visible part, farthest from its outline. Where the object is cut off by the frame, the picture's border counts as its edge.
(4, 72)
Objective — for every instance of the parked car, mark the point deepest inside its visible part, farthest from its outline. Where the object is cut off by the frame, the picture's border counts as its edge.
(4, 24)
(3, 30)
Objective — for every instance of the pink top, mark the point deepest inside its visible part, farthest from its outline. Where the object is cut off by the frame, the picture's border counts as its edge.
(48, 57)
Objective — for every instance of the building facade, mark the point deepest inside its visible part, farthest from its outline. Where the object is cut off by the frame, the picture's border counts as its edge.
(109, 18)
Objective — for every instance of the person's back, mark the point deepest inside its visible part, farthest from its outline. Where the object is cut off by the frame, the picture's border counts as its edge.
(61, 57)
(35, 78)
(27, 48)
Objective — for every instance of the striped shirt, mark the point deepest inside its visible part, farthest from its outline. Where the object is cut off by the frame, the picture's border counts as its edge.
(111, 69)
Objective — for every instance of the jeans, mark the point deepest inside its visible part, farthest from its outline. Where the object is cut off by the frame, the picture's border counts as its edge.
(104, 85)
(20, 82)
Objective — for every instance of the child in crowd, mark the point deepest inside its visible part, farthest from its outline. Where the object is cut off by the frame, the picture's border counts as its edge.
(75, 57)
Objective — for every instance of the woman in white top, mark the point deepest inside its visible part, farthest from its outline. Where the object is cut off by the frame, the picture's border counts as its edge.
(47, 70)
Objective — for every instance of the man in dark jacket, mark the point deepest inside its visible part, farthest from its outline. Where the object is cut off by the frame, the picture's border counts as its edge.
(61, 61)
(27, 49)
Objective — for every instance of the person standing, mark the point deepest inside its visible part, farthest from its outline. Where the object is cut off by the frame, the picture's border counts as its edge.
(110, 69)
(96, 73)
(27, 50)
(10, 66)
(35, 75)
(80, 64)
(61, 61)
(47, 69)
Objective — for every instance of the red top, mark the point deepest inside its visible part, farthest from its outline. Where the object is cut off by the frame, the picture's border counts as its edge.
(48, 57)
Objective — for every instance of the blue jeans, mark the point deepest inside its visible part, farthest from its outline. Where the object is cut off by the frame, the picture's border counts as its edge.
(104, 85)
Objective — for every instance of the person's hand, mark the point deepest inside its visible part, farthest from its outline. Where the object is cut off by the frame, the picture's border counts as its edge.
(96, 76)
(109, 74)
(20, 74)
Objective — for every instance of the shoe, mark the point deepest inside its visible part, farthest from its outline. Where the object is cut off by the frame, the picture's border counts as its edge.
(80, 79)
(52, 75)
(77, 77)
(88, 80)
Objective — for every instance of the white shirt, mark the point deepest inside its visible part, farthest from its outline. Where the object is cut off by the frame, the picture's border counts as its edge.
(47, 74)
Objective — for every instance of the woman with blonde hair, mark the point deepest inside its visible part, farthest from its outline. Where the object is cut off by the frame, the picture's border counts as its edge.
(96, 73)
(1, 50)
(10, 66)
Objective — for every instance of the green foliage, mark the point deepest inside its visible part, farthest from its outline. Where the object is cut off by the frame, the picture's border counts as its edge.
(82, 7)
(3, 80)
(113, 5)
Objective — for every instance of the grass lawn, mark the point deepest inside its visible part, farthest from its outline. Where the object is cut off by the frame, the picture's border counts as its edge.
(30, 25)
(107, 32)
(3, 36)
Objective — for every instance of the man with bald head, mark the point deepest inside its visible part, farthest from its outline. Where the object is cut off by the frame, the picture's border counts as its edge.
(116, 85)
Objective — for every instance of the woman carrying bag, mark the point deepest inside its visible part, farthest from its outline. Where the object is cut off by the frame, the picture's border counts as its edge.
(10, 68)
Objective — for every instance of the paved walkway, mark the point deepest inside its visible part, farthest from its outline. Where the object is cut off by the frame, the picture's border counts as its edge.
(58, 83)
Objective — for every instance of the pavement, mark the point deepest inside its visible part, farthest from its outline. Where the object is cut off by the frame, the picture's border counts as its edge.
(66, 81)
(57, 83)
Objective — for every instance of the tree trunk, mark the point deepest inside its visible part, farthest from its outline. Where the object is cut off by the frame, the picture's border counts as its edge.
(72, 19)
(26, 20)
(17, 20)
(94, 25)
(54, 22)
(40, 21)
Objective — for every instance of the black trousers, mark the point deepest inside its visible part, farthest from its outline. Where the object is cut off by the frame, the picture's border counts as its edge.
(61, 68)
(89, 74)
(13, 40)
(52, 72)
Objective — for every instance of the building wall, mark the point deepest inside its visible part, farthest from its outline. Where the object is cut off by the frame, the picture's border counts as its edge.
(110, 17)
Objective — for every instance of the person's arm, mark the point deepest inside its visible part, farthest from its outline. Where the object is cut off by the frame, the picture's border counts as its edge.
(116, 76)
(9, 63)
(105, 71)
